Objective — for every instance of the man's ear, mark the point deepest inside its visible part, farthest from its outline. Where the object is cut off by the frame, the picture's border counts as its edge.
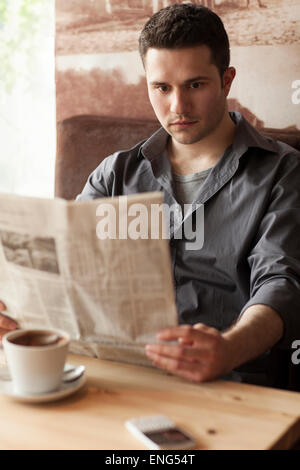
(228, 77)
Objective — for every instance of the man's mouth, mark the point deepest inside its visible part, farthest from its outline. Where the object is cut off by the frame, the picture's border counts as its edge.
(183, 124)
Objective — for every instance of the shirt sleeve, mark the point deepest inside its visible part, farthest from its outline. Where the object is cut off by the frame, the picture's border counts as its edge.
(97, 184)
(275, 257)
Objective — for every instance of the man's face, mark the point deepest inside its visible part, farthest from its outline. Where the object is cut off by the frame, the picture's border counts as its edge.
(186, 91)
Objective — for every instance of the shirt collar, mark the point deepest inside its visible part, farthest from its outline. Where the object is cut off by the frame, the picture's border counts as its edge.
(246, 136)
(155, 145)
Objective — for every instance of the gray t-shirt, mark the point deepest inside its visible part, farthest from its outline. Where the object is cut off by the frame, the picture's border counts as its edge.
(186, 187)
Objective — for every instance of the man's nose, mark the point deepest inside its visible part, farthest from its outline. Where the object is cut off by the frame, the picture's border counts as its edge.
(179, 103)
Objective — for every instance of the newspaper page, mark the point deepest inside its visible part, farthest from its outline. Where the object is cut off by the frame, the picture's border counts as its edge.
(99, 270)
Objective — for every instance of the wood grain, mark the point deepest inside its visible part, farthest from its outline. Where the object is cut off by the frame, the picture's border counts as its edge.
(221, 415)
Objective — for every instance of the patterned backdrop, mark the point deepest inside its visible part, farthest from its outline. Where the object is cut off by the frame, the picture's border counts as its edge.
(99, 72)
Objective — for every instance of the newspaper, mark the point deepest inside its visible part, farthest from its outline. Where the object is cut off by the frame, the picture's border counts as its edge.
(112, 295)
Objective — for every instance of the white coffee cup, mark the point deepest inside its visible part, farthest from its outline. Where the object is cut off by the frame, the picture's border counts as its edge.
(36, 359)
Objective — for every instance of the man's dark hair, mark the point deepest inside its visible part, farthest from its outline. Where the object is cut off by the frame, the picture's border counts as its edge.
(186, 25)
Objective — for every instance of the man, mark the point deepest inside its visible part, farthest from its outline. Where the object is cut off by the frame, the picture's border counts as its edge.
(238, 296)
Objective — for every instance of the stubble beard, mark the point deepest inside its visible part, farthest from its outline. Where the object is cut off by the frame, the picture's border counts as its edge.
(188, 138)
(199, 130)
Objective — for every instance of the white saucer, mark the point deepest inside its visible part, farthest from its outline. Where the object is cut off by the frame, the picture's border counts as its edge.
(65, 389)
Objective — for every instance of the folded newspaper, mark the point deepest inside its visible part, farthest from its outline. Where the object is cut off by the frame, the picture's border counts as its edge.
(91, 268)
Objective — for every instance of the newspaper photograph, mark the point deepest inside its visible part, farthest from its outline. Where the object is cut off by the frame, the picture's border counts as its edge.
(91, 268)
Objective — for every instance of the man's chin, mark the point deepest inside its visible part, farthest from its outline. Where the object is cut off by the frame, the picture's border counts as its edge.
(187, 139)
(186, 136)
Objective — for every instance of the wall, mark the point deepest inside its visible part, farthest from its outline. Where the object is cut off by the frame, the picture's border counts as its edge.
(98, 70)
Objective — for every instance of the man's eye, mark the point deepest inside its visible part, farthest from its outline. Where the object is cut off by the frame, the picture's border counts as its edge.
(196, 85)
(163, 88)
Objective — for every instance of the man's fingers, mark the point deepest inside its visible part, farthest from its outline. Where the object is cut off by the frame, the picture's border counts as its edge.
(184, 332)
(201, 326)
(180, 352)
(181, 368)
(7, 323)
(187, 334)
(3, 332)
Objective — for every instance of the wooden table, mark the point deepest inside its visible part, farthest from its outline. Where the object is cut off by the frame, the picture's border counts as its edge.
(220, 414)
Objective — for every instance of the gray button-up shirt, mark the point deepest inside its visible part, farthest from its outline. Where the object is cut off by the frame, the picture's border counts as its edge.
(251, 250)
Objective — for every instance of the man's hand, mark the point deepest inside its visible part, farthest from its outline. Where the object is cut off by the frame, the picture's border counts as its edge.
(6, 324)
(200, 354)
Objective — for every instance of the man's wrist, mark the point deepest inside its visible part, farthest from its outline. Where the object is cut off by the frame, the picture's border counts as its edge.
(258, 330)
(233, 346)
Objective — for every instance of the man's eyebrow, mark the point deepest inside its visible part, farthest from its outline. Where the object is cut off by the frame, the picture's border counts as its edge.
(189, 80)
(154, 82)
(195, 79)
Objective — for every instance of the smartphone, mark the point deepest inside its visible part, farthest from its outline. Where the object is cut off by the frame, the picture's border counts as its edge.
(159, 432)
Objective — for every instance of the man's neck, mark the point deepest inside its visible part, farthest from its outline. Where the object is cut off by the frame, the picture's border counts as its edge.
(204, 154)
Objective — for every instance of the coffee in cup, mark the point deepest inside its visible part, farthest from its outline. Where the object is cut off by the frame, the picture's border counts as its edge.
(37, 338)
(36, 359)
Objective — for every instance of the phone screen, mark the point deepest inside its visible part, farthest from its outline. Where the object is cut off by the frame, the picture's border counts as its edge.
(167, 436)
